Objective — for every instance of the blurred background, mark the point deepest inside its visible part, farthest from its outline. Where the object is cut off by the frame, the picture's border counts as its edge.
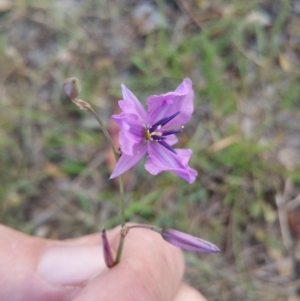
(243, 58)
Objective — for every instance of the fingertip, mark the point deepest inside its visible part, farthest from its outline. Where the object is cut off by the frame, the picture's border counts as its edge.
(186, 292)
(149, 267)
(19, 256)
(147, 250)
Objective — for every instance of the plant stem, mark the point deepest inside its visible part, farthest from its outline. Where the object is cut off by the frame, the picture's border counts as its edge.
(120, 248)
(153, 228)
(122, 203)
(105, 132)
(121, 185)
(125, 230)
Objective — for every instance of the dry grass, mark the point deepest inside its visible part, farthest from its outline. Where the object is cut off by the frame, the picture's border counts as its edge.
(243, 57)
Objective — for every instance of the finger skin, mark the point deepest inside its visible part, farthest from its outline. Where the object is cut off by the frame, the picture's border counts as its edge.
(19, 255)
(150, 269)
(187, 293)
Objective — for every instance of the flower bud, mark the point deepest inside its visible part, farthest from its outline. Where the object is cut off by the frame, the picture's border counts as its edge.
(188, 242)
(106, 250)
(72, 87)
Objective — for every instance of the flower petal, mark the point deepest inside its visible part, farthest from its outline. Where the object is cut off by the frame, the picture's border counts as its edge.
(188, 242)
(125, 162)
(160, 159)
(171, 139)
(165, 105)
(132, 132)
(131, 105)
(108, 257)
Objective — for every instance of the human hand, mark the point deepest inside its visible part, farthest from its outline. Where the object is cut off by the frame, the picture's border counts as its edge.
(34, 268)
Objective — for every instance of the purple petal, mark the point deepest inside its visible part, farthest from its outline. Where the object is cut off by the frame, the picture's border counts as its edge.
(107, 250)
(188, 242)
(131, 105)
(171, 139)
(165, 105)
(125, 162)
(160, 159)
(132, 132)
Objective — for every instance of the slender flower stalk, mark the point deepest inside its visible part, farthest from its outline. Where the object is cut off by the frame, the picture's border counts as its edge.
(121, 186)
(124, 231)
(105, 132)
(181, 240)
(72, 88)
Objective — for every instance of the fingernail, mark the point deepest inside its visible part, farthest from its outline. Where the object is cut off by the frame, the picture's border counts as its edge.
(71, 265)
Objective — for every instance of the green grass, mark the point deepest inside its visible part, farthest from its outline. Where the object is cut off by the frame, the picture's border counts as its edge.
(47, 144)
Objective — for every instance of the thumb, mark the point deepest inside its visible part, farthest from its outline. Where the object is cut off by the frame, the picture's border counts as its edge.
(39, 269)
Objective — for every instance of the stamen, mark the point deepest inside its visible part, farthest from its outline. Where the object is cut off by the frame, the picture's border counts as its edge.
(162, 122)
(171, 132)
(156, 133)
(167, 146)
(156, 137)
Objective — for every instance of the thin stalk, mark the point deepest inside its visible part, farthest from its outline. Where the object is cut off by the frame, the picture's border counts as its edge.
(105, 132)
(120, 249)
(125, 230)
(153, 228)
(121, 185)
(122, 204)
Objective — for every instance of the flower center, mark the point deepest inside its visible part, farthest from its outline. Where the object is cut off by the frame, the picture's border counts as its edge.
(158, 134)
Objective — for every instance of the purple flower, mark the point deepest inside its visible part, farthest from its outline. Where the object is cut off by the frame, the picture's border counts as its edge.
(188, 242)
(153, 131)
(106, 250)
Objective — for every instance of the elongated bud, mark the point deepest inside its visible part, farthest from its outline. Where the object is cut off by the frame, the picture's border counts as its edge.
(106, 250)
(72, 87)
(188, 242)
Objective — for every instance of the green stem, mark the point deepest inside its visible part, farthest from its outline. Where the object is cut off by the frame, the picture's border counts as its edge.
(121, 185)
(153, 228)
(120, 249)
(105, 132)
(125, 230)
